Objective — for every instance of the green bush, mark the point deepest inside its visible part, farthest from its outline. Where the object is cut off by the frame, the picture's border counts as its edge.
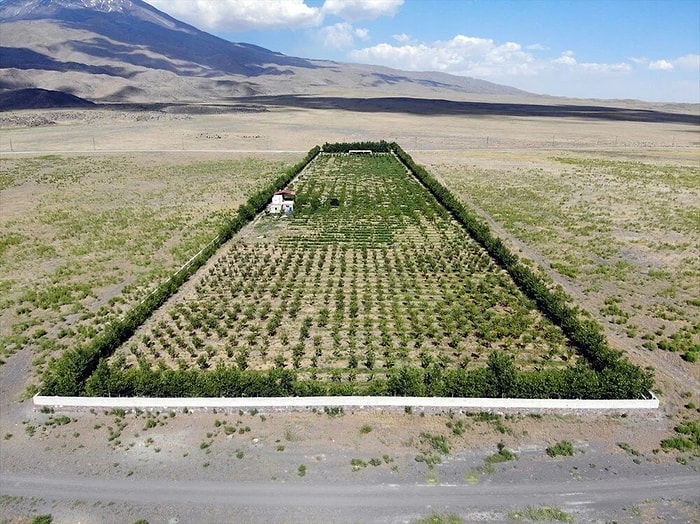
(563, 448)
(687, 438)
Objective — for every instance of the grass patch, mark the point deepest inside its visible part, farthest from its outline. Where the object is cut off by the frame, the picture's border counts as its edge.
(438, 518)
(687, 438)
(357, 464)
(542, 514)
(503, 455)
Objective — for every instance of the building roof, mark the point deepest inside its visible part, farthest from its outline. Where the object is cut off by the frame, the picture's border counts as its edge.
(285, 192)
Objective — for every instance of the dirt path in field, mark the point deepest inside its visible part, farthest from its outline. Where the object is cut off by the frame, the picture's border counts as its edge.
(357, 466)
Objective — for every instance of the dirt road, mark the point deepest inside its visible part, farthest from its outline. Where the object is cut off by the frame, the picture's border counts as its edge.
(314, 502)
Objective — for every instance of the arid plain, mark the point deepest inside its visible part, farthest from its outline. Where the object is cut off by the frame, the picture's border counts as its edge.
(97, 204)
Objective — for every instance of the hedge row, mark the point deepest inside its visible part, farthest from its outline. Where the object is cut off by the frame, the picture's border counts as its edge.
(66, 375)
(345, 147)
(498, 379)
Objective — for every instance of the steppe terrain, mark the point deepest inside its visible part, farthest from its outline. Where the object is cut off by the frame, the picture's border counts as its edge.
(96, 204)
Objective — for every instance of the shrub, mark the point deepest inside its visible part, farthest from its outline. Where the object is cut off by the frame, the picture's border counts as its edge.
(563, 448)
(503, 455)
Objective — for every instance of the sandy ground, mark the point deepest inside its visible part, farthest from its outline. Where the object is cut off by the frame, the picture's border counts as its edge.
(300, 129)
(147, 455)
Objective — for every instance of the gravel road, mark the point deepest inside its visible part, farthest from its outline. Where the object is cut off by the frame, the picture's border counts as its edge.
(305, 501)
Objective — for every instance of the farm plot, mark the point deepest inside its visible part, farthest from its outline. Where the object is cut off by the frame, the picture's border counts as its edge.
(370, 273)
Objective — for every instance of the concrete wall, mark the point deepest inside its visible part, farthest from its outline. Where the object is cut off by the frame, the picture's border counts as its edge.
(292, 403)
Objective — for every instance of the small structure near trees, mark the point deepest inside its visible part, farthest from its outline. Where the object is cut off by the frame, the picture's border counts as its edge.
(282, 202)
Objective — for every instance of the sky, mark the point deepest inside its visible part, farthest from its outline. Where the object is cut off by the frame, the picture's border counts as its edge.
(610, 49)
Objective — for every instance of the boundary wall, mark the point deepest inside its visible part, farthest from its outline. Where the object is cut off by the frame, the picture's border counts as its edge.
(299, 403)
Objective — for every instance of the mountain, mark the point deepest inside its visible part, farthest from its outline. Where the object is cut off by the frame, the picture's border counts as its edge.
(128, 51)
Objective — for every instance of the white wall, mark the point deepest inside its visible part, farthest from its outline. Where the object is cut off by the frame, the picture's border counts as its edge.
(293, 403)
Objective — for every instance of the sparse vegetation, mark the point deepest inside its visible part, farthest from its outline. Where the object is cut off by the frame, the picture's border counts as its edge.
(103, 242)
(441, 519)
(503, 455)
(568, 209)
(542, 514)
(687, 438)
(563, 448)
(357, 464)
(628, 299)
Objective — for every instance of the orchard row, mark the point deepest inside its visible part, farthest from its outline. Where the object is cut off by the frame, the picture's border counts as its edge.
(369, 273)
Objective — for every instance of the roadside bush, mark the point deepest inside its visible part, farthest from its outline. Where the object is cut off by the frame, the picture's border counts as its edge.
(563, 448)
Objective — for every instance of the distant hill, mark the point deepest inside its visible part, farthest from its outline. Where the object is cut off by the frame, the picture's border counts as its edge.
(33, 98)
(128, 51)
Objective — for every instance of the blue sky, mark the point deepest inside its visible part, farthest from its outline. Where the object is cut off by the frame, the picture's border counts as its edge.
(642, 49)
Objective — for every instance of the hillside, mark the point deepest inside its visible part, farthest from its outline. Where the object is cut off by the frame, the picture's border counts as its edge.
(128, 51)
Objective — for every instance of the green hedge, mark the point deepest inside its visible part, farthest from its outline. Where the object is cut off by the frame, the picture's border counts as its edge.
(344, 147)
(494, 380)
(66, 375)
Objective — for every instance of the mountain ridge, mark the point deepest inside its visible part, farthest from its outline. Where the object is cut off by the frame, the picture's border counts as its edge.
(112, 50)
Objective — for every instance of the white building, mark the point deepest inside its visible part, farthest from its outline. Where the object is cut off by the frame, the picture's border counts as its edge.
(282, 202)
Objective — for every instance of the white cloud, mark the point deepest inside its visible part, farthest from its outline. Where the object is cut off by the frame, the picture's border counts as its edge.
(537, 47)
(362, 33)
(342, 35)
(566, 58)
(661, 65)
(505, 63)
(242, 15)
(354, 10)
(462, 55)
(688, 62)
(403, 38)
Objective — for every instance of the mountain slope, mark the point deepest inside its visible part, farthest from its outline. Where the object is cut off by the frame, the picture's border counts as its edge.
(126, 50)
(144, 28)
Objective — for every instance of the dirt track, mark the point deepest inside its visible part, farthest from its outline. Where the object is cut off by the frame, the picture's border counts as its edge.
(312, 501)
